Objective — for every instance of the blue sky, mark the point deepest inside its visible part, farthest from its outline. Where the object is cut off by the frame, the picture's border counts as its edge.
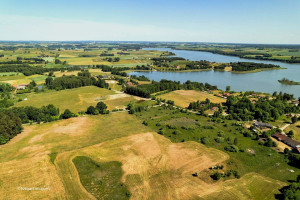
(244, 21)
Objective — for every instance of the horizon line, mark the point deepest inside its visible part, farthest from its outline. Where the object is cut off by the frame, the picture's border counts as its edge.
(147, 41)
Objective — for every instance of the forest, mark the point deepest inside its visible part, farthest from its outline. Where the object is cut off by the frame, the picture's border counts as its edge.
(26, 69)
(264, 110)
(147, 89)
(249, 66)
(68, 82)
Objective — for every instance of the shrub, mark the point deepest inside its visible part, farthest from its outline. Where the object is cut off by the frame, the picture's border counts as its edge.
(216, 176)
(66, 114)
(204, 140)
(219, 139)
(231, 148)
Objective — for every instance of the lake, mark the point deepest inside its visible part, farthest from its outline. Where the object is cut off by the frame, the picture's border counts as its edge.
(265, 81)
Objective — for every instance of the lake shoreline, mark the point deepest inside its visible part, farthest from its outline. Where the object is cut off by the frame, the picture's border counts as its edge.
(224, 54)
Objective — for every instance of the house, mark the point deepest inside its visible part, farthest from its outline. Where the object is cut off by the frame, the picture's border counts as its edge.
(296, 102)
(105, 76)
(214, 108)
(130, 84)
(40, 87)
(262, 125)
(227, 94)
(22, 86)
(110, 81)
(287, 140)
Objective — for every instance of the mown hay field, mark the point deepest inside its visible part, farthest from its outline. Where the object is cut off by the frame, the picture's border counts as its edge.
(183, 98)
(152, 167)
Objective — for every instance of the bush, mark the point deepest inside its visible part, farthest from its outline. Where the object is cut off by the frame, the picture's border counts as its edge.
(216, 176)
(204, 140)
(219, 139)
(231, 148)
(66, 114)
(92, 111)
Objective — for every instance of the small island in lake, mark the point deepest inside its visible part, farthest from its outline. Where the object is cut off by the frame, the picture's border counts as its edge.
(288, 82)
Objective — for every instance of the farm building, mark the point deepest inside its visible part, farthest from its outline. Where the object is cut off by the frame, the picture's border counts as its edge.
(262, 125)
(130, 84)
(105, 76)
(22, 86)
(287, 140)
(214, 108)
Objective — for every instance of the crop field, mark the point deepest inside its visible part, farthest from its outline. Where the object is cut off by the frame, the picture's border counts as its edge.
(118, 156)
(183, 98)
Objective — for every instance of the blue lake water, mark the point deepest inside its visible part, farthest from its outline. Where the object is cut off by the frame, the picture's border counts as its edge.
(265, 81)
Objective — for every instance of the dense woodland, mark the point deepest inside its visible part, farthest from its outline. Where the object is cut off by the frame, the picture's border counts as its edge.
(26, 69)
(202, 64)
(263, 110)
(147, 89)
(68, 82)
(10, 126)
(249, 66)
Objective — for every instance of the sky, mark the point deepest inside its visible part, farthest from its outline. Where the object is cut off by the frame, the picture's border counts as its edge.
(229, 21)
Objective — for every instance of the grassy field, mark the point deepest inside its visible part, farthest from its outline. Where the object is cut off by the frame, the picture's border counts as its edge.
(9, 73)
(183, 98)
(21, 79)
(118, 146)
(296, 129)
(102, 180)
(27, 155)
(77, 99)
(252, 157)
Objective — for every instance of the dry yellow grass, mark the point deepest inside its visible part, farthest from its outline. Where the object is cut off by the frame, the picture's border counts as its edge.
(154, 167)
(183, 98)
(77, 99)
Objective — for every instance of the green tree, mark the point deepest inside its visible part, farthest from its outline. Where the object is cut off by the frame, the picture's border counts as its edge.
(216, 176)
(290, 134)
(66, 114)
(92, 111)
(101, 107)
(294, 119)
(48, 80)
(228, 88)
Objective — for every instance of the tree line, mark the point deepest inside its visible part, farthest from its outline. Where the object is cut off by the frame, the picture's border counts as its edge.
(11, 120)
(10, 126)
(26, 69)
(249, 66)
(69, 82)
(263, 110)
(147, 89)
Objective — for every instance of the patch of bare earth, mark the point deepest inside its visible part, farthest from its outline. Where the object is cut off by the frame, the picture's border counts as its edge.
(73, 126)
